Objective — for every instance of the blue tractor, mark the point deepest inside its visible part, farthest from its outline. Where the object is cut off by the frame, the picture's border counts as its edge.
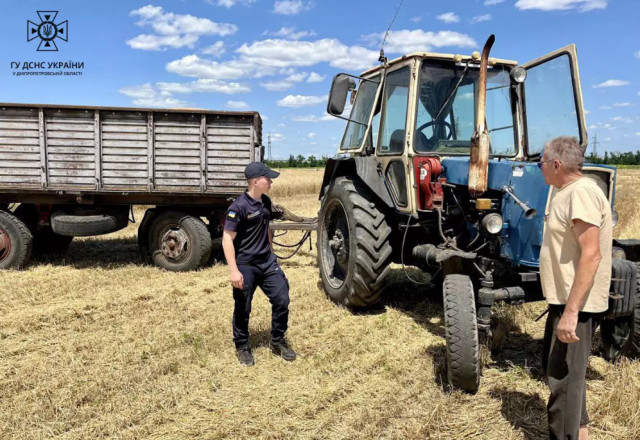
(438, 168)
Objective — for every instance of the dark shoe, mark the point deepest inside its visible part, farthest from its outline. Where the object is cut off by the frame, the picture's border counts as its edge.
(281, 348)
(244, 356)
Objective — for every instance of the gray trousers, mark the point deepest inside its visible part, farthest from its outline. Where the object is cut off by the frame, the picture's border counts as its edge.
(565, 368)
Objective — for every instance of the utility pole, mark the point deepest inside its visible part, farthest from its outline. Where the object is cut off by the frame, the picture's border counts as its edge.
(595, 145)
(269, 145)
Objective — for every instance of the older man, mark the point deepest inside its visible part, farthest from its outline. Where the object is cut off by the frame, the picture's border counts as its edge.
(575, 268)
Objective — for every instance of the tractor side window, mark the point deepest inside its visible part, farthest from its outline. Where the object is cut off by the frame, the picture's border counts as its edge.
(360, 113)
(550, 102)
(394, 112)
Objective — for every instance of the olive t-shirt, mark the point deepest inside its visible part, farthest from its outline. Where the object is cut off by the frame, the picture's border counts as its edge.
(581, 199)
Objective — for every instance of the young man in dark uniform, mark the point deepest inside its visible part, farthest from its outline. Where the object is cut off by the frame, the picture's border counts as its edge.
(246, 242)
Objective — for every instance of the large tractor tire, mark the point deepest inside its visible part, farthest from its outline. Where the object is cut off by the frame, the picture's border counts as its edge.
(353, 244)
(45, 241)
(16, 242)
(461, 333)
(621, 336)
(178, 241)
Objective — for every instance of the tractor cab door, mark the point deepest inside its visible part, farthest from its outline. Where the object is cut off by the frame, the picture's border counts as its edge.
(393, 124)
(552, 100)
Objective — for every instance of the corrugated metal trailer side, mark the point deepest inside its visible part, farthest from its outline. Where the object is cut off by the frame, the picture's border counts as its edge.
(96, 150)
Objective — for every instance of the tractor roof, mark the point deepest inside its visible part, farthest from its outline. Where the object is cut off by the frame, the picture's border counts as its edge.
(442, 56)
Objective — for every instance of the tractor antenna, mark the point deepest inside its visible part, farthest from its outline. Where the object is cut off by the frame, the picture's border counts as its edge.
(383, 59)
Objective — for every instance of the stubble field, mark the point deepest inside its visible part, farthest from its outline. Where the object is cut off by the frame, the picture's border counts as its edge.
(96, 344)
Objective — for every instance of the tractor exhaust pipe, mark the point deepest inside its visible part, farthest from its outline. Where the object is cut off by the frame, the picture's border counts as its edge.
(479, 160)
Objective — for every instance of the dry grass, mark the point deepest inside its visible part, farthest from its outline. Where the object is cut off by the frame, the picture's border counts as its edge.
(98, 345)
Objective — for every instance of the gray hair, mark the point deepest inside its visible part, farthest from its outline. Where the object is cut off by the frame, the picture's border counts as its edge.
(566, 149)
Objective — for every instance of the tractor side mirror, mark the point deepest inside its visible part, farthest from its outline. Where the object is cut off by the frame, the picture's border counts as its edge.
(340, 88)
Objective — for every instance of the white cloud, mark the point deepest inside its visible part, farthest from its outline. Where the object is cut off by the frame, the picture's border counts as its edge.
(192, 65)
(448, 17)
(611, 83)
(605, 107)
(311, 135)
(291, 7)
(622, 119)
(314, 118)
(492, 2)
(637, 54)
(237, 105)
(205, 86)
(552, 5)
(287, 53)
(406, 41)
(417, 19)
(277, 137)
(290, 33)
(301, 101)
(277, 86)
(146, 95)
(623, 104)
(216, 50)
(174, 30)
(297, 77)
(637, 133)
(315, 77)
(231, 3)
(479, 18)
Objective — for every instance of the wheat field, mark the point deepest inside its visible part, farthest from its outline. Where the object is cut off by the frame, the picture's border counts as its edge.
(96, 344)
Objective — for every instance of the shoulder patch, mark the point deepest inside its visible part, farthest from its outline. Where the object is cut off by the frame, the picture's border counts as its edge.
(231, 214)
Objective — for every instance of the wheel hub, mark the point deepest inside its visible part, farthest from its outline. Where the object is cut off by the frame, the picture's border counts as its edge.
(5, 245)
(174, 244)
(339, 248)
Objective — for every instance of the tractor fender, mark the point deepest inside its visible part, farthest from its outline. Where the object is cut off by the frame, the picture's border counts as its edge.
(365, 168)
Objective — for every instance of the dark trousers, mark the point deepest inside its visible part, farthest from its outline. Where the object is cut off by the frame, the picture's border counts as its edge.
(270, 278)
(565, 368)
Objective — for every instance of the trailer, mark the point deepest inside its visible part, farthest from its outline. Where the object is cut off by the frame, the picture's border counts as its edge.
(68, 171)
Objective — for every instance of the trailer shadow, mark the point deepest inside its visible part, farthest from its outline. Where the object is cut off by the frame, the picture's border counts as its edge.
(97, 253)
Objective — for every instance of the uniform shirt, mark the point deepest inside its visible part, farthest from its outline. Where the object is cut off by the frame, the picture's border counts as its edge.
(581, 199)
(249, 218)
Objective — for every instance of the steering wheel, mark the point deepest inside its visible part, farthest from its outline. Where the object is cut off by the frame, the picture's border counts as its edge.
(431, 141)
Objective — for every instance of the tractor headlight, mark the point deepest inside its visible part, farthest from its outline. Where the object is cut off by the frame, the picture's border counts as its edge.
(617, 253)
(492, 223)
(518, 74)
(614, 217)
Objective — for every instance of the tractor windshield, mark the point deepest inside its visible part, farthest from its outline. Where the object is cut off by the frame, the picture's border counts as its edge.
(451, 132)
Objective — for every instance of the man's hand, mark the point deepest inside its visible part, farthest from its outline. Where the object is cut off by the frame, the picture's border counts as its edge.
(566, 329)
(237, 280)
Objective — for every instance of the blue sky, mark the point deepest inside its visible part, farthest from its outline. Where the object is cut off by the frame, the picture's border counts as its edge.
(278, 57)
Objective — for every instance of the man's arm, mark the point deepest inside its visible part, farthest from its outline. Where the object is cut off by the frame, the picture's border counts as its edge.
(237, 279)
(588, 236)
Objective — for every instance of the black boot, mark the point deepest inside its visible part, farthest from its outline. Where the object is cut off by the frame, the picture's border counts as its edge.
(244, 356)
(281, 348)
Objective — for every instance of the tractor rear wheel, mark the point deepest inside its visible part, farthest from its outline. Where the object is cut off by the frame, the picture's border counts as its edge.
(354, 252)
(461, 333)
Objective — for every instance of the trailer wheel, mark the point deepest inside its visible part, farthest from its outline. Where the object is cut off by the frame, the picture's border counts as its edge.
(178, 241)
(461, 332)
(45, 241)
(353, 244)
(143, 234)
(621, 336)
(16, 242)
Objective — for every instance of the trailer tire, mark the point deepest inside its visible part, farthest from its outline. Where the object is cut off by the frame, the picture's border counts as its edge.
(16, 242)
(143, 234)
(621, 336)
(354, 250)
(179, 242)
(461, 333)
(88, 225)
(45, 241)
